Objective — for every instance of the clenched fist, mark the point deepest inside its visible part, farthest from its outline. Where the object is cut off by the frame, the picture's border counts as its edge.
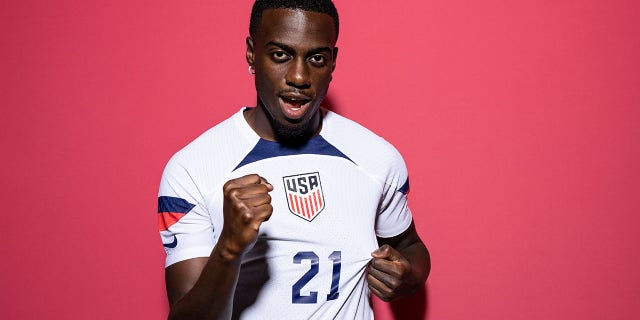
(247, 204)
(389, 274)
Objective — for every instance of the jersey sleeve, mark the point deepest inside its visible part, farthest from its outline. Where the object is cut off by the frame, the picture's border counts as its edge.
(394, 215)
(185, 226)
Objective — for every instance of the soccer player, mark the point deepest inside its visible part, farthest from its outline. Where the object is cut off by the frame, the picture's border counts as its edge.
(287, 210)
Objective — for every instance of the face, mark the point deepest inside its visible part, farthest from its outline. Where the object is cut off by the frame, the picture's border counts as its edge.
(293, 53)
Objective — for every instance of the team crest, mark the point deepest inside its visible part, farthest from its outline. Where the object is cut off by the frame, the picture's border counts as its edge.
(304, 195)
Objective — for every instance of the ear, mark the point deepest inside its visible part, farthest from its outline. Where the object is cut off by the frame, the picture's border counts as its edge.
(250, 58)
(335, 57)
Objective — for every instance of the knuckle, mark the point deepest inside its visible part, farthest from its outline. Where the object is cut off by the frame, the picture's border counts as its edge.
(251, 178)
(228, 185)
(246, 216)
(239, 206)
(394, 283)
(405, 269)
(233, 193)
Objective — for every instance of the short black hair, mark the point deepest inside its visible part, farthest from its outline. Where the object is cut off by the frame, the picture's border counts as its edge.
(320, 6)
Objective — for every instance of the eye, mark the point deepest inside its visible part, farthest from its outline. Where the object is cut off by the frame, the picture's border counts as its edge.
(318, 60)
(279, 56)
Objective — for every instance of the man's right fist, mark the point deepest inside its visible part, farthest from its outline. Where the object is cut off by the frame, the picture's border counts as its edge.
(247, 204)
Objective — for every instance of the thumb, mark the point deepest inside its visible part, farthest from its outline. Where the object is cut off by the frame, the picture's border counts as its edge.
(385, 252)
(266, 183)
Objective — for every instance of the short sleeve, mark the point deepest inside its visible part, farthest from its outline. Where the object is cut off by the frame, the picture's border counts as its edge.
(394, 215)
(183, 219)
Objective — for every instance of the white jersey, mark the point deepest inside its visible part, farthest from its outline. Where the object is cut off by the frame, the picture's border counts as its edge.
(331, 198)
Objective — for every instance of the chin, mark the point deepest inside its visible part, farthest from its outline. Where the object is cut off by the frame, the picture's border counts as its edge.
(293, 135)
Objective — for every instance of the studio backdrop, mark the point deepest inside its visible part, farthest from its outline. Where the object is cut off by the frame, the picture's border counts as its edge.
(518, 121)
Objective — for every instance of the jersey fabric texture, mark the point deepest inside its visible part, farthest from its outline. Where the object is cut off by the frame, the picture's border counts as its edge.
(331, 198)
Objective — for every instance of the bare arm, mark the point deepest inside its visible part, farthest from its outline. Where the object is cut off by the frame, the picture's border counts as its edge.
(399, 267)
(203, 288)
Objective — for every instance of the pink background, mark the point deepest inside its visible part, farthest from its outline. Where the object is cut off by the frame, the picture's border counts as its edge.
(518, 121)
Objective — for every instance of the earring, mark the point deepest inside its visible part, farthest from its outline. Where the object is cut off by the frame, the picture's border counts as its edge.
(252, 70)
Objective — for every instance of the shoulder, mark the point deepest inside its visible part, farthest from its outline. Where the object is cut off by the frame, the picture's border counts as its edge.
(361, 144)
(214, 153)
(215, 137)
(219, 142)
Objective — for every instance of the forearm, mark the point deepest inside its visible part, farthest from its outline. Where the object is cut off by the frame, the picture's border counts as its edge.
(418, 255)
(211, 297)
(204, 288)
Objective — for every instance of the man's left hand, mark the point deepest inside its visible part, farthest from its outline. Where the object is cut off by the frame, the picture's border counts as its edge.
(389, 274)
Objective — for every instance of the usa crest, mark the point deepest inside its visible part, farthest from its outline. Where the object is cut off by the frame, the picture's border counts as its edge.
(304, 195)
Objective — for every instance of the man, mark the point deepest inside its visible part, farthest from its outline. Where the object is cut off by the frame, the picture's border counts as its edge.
(287, 210)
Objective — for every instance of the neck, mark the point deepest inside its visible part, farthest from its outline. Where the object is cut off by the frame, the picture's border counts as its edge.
(261, 122)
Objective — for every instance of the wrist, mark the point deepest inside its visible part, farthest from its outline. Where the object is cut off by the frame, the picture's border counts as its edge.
(227, 252)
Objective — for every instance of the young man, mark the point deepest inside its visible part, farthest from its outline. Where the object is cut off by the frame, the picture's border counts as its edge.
(287, 210)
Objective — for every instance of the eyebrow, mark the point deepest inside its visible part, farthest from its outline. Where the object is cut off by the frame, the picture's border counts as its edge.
(292, 50)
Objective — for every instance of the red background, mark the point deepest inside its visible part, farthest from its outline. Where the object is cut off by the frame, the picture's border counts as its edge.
(518, 121)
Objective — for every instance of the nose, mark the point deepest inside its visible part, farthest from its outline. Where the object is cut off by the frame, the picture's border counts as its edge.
(298, 74)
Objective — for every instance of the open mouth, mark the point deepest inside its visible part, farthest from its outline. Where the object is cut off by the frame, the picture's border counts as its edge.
(294, 106)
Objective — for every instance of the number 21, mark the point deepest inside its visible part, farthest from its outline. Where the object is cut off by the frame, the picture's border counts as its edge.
(313, 271)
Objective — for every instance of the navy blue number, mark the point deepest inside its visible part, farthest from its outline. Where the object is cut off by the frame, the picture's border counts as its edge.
(335, 277)
(314, 268)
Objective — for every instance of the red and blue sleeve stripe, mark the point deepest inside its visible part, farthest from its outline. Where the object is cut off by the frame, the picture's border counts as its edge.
(171, 210)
